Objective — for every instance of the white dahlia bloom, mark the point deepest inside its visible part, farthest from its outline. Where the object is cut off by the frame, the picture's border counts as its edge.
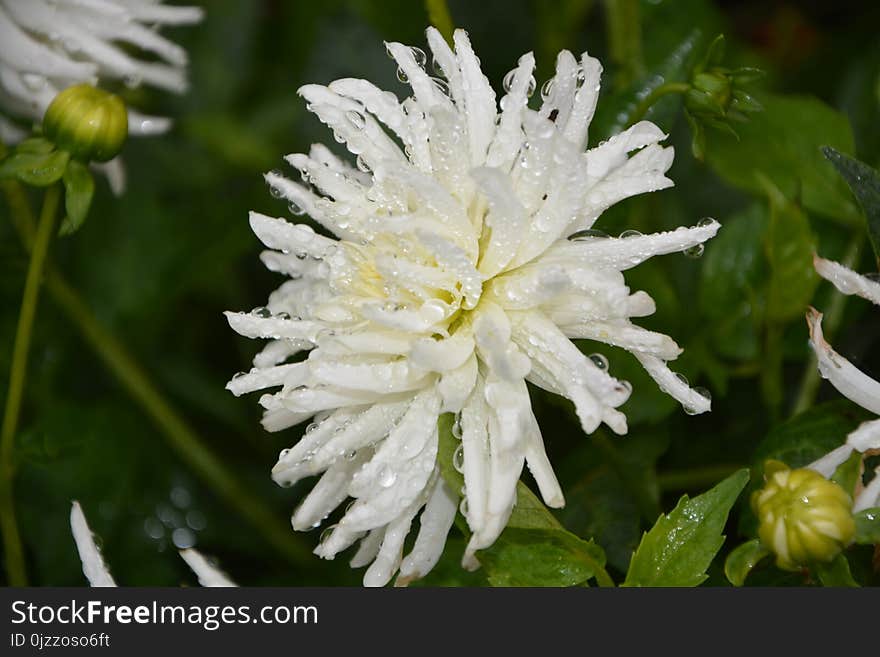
(849, 380)
(49, 45)
(460, 264)
(98, 574)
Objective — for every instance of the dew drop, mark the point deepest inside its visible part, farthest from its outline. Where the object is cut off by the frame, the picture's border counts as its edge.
(586, 235)
(458, 459)
(262, 311)
(356, 119)
(420, 56)
(874, 277)
(695, 251)
(463, 507)
(508, 80)
(402, 76)
(681, 377)
(326, 533)
(387, 477)
(705, 221)
(703, 393)
(547, 89)
(600, 361)
(456, 429)
(362, 164)
(630, 233)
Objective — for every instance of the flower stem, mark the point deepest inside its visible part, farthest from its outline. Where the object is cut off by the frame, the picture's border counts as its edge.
(830, 323)
(439, 16)
(639, 111)
(624, 30)
(137, 383)
(15, 566)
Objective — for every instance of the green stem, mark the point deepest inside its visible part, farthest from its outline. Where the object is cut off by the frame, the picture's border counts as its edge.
(638, 112)
(439, 16)
(625, 38)
(830, 323)
(15, 566)
(178, 434)
(694, 479)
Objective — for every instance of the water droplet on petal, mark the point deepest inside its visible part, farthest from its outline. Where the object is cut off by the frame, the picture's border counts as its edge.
(600, 361)
(458, 459)
(695, 251)
(356, 119)
(262, 311)
(326, 533)
(681, 377)
(387, 477)
(508, 80)
(705, 221)
(589, 234)
(547, 89)
(630, 233)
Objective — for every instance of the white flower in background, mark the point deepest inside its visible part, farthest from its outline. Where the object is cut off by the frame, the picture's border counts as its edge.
(463, 264)
(98, 574)
(49, 45)
(849, 381)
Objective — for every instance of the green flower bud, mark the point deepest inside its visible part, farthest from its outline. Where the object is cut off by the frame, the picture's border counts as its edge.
(710, 94)
(804, 518)
(89, 123)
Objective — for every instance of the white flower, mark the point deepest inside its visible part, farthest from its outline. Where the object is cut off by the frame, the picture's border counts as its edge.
(849, 381)
(98, 574)
(49, 45)
(462, 266)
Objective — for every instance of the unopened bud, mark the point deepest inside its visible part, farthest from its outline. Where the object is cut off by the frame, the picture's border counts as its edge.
(804, 518)
(89, 123)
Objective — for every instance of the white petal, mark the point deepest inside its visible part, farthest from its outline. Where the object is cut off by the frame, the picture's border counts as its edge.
(93, 565)
(209, 575)
(692, 401)
(847, 281)
(435, 522)
(849, 381)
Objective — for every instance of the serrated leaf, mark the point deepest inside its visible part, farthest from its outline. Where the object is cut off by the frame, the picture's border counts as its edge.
(868, 526)
(38, 169)
(541, 557)
(864, 181)
(680, 546)
(789, 248)
(79, 188)
(742, 560)
(836, 573)
(782, 144)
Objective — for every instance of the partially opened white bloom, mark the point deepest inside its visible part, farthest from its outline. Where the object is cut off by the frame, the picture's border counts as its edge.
(49, 45)
(98, 574)
(461, 265)
(849, 380)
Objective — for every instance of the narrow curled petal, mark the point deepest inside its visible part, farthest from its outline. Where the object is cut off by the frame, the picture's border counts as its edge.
(842, 374)
(847, 281)
(93, 565)
(209, 575)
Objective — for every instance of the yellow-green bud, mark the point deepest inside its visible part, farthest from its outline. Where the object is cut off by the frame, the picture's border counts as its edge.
(804, 518)
(89, 123)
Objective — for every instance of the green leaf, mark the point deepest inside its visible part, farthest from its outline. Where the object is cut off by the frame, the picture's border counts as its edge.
(742, 560)
(789, 248)
(680, 546)
(836, 573)
(733, 273)
(541, 557)
(38, 169)
(79, 187)
(868, 526)
(534, 549)
(38, 145)
(864, 181)
(849, 473)
(782, 144)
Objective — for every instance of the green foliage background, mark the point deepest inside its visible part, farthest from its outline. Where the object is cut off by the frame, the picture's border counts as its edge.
(160, 264)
